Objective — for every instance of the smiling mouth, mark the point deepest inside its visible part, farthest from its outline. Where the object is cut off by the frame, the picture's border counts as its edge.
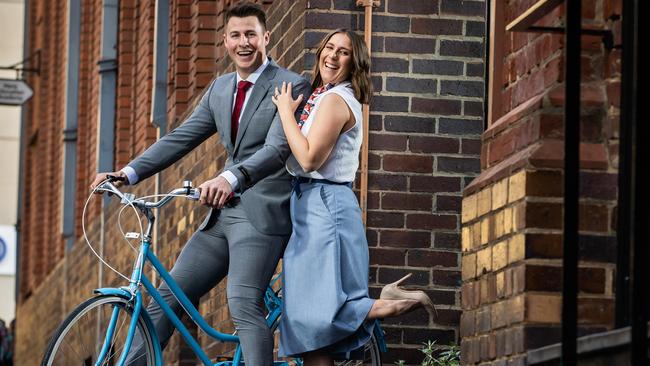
(244, 53)
(331, 66)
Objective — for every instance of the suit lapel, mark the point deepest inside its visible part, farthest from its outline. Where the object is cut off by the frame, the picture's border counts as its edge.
(225, 100)
(260, 90)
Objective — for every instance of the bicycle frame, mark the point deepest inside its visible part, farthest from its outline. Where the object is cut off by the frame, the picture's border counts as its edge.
(273, 303)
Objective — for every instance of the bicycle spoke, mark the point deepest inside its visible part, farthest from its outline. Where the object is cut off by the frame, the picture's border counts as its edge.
(82, 336)
(73, 350)
(117, 351)
(135, 359)
(117, 331)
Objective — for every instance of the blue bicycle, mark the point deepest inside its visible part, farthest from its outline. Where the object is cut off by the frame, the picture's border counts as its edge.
(101, 330)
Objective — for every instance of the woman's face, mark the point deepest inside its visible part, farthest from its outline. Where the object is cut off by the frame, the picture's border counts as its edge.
(335, 62)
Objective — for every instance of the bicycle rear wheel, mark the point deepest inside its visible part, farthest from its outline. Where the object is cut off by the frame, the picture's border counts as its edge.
(371, 355)
(81, 336)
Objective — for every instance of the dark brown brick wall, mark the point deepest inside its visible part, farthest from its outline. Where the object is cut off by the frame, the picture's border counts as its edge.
(425, 124)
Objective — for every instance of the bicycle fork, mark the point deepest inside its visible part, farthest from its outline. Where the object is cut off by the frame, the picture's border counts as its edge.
(110, 332)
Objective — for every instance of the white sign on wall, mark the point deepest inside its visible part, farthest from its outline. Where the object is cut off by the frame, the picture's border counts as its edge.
(7, 250)
(14, 92)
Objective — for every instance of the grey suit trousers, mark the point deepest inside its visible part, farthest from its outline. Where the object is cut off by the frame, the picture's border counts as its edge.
(233, 247)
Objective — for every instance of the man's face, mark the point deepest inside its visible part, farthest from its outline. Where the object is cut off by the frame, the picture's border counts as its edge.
(246, 40)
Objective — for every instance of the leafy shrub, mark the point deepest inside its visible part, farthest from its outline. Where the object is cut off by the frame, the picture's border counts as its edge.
(449, 357)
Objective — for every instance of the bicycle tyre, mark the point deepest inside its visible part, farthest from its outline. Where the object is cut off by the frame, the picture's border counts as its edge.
(371, 352)
(80, 325)
(371, 355)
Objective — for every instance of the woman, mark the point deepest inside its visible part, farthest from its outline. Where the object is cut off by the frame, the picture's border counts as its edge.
(328, 312)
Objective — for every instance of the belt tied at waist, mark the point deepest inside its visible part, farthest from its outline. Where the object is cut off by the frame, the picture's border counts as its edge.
(297, 181)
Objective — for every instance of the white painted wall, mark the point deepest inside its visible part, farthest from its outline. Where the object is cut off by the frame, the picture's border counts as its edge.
(11, 51)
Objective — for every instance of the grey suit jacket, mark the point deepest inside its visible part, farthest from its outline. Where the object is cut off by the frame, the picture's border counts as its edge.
(258, 156)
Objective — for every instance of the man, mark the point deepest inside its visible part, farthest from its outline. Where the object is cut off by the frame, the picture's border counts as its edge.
(245, 232)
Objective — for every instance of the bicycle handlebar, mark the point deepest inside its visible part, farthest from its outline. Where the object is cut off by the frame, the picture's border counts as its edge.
(127, 198)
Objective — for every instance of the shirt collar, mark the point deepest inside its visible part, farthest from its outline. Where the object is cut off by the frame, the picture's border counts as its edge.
(256, 74)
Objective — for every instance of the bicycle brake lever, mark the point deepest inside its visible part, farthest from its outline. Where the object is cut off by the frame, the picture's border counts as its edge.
(194, 194)
(115, 178)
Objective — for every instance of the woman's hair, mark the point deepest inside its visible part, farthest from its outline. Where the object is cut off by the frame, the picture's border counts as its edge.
(360, 70)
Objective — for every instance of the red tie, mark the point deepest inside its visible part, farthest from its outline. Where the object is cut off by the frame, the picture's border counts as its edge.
(242, 87)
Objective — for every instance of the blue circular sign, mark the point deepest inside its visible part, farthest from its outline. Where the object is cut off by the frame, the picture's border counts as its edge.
(3, 249)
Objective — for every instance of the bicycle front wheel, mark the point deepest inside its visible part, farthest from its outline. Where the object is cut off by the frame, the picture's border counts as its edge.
(82, 336)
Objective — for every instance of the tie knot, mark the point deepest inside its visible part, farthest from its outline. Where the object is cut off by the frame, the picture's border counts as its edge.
(244, 85)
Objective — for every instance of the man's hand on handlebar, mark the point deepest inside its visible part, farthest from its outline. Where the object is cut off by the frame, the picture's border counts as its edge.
(100, 177)
(215, 192)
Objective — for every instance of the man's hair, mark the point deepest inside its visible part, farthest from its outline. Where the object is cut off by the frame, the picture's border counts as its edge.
(245, 9)
(360, 70)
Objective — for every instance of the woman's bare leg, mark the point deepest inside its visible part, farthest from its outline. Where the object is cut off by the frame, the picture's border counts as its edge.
(380, 309)
(387, 308)
(317, 358)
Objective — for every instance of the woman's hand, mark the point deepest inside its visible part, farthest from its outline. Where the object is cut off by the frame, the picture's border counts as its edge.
(283, 99)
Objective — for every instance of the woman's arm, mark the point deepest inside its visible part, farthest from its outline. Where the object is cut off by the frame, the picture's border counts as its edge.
(332, 115)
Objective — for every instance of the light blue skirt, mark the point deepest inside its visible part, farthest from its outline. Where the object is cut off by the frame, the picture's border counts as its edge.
(325, 274)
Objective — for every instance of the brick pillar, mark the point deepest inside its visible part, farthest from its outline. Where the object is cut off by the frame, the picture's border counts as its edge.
(512, 248)
(512, 213)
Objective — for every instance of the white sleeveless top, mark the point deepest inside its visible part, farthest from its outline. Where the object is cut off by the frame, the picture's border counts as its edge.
(343, 162)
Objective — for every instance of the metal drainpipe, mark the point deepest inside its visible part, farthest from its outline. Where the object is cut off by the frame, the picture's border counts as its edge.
(363, 184)
(106, 131)
(161, 47)
(21, 157)
(159, 95)
(626, 196)
(486, 67)
(638, 132)
(70, 131)
(571, 182)
(108, 72)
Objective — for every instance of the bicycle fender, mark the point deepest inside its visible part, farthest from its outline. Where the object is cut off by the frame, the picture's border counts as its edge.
(113, 292)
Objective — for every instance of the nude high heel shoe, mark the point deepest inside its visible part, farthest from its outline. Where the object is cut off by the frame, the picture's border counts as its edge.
(392, 291)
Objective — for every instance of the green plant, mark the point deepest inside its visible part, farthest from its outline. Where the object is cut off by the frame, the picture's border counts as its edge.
(449, 357)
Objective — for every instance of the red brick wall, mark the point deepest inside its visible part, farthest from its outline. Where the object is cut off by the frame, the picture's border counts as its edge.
(88, 108)
(425, 122)
(134, 130)
(44, 147)
(512, 212)
(532, 61)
